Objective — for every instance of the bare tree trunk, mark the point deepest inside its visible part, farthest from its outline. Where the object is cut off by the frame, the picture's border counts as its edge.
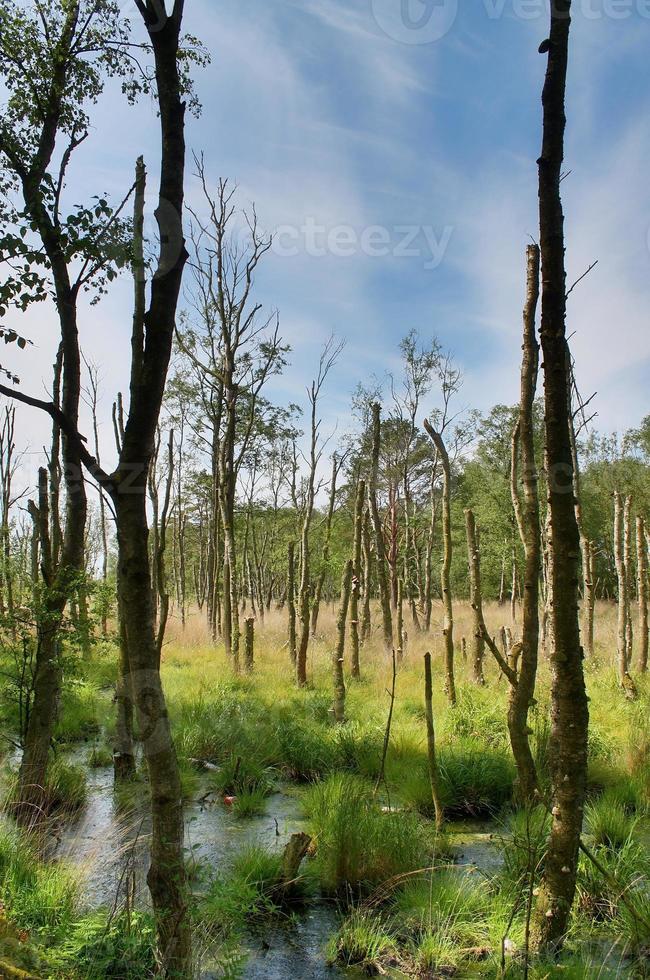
(291, 601)
(476, 597)
(642, 593)
(400, 621)
(586, 547)
(629, 579)
(528, 521)
(31, 795)
(367, 577)
(428, 562)
(356, 581)
(569, 704)
(380, 549)
(338, 656)
(623, 663)
(445, 574)
(315, 609)
(393, 548)
(249, 645)
(434, 774)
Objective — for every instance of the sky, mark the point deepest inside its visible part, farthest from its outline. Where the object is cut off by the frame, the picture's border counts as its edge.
(390, 145)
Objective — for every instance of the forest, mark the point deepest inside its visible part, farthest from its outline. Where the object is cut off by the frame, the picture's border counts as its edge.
(299, 677)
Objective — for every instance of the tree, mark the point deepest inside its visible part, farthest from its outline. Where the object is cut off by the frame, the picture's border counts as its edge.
(528, 521)
(569, 706)
(328, 358)
(53, 65)
(445, 573)
(151, 344)
(235, 352)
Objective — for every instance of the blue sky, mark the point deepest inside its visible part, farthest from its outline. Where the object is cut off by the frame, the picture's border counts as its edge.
(334, 114)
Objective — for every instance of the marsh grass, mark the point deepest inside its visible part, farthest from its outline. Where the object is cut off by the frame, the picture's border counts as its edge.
(247, 895)
(425, 924)
(358, 845)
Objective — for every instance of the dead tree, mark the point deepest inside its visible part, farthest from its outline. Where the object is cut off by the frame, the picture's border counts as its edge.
(315, 609)
(328, 358)
(586, 546)
(434, 773)
(249, 644)
(476, 597)
(339, 650)
(93, 402)
(400, 621)
(291, 600)
(380, 547)
(642, 593)
(445, 573)
(355, 667)
(629, 578)
(569, 704)
(528, 521)
(367, 577)
(623, 663)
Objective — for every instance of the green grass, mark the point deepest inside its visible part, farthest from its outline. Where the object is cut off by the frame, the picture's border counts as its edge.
(363, 941)
(38, 897)
(609, 823)
(100, 757)
(82, 712)
(117, 948)
(248, 894)
(358, 846)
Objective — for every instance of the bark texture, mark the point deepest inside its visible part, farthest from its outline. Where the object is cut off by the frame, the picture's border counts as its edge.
(339, 651)
(380, 547)
(434, 774)
(355, 666)
(642, 593)
(476, 599)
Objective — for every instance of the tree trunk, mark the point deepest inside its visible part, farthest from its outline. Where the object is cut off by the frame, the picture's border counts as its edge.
(642, 593)
(623, 663)
(291, 601)
(367, 578)
(569, 705)
(166, 876)
(400, 621)
(528, 521)
(629, 579)
(445, 574)
(249, 645)
(32, 777)
(380, 549)
(315, 609)
(434, 774)
(339, 652)
(356, 581)
(476, 597)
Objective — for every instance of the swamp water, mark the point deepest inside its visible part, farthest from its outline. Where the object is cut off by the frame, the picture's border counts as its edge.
(108, 844)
